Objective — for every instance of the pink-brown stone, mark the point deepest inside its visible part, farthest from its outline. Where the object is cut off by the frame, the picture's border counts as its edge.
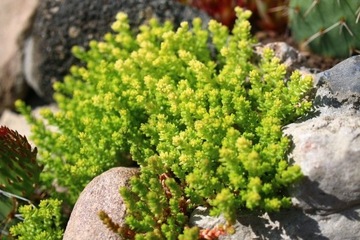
(102, 193)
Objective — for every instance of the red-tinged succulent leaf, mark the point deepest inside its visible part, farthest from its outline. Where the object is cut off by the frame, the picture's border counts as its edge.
(4, 131)
(213, 233)
(19, 170)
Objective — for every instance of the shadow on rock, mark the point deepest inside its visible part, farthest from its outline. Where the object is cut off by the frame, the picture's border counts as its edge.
(313, 200)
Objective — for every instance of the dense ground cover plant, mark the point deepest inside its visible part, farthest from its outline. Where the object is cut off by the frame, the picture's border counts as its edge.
(192, 107)
(42, 222)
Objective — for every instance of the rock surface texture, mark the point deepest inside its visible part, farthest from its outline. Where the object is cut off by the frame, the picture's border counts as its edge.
(15, 21)
(327, 147)
(59, 25)
(102, 193)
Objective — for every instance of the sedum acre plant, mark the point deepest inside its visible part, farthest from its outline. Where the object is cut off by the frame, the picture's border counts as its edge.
(191, 107)
(42, 222)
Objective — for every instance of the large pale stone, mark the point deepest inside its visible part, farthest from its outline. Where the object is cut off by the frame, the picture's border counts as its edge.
(15, 21)
(102, 193)
(327, 148)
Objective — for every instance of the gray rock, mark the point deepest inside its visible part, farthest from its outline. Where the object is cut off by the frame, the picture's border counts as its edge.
(286, 225)
(327, 148)
(59, 25)
(339, 87)
(102, 193)
(342, 81)
(288, 55)
(14, 24)
(326, 145)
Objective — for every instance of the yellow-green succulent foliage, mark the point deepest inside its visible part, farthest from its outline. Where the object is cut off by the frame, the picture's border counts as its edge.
(42, 222)
(192, 107)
